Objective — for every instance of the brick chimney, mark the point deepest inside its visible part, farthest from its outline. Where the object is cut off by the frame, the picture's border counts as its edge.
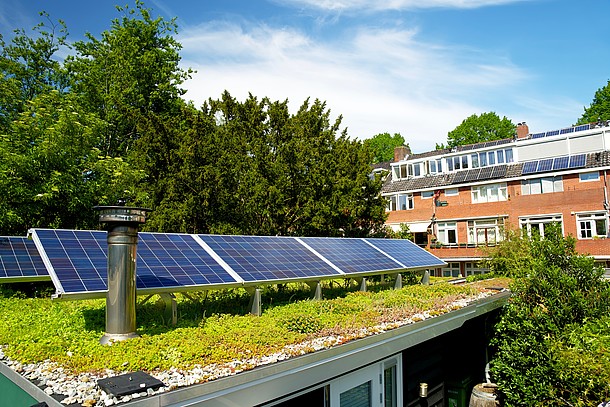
(401, 152)
(522, 130)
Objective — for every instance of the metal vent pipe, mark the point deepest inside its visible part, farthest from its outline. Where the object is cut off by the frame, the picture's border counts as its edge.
(122, 225)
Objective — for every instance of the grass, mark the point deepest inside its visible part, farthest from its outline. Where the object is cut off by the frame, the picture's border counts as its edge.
(212, 328)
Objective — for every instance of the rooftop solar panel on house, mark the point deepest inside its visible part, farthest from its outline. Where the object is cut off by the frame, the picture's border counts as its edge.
(472, 175)
(459, 177)
(560, 163)
(582, 127)
(485, 173)
(538, 135)
(552, 133)
(529, 167)
(504, 141)
(545, 165)
(352, 255)
(268, 258)
(20, 260)
(577, 161)
(77, 262)
(499, 171)
(406, 252)
(567, 130)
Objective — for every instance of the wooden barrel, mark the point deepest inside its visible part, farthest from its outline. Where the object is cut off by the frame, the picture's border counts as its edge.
(483, 395)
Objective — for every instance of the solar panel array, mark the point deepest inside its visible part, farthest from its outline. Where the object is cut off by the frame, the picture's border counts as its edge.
(566, 130)
(20, 261)
(554, 164)
(76, 260)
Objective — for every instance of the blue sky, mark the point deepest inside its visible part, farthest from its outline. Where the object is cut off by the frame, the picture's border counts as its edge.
(414, 67)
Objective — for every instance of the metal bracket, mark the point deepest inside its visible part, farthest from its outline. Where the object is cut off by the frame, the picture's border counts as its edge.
(255, 301)
(316, 288)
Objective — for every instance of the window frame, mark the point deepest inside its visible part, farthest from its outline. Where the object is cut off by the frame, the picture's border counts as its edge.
(588, 176)
(593, 219)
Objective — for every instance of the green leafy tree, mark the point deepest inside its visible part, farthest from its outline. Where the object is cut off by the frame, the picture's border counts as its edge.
(253, 168)
(599, 108)
(382, 145)
(557, 290)
(477, 129)
(131, 72)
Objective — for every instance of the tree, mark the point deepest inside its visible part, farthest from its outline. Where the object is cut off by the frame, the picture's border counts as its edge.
(557, 290)
(382, 145)
(599, 108)
(131, 72)
(253, 168)
(477, 129)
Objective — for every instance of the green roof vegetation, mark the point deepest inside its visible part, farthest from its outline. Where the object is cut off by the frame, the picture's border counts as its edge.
(212, 328)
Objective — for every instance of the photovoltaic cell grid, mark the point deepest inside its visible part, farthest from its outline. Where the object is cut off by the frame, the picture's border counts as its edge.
(406, 252)
(529, 167)
(77, 257)
(175, 260)
(545, 165)
(79, 261)
(577, 161)
(352, 255)
(20, 261)
(560, 163)
(265, 258)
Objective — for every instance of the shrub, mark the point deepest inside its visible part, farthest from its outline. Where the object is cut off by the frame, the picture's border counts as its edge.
(558, 289)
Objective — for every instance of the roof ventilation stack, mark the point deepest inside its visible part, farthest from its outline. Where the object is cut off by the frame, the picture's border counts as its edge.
(122, 225)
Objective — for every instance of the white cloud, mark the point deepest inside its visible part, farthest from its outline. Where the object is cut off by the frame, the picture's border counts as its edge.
(375, 5)
(382, 80)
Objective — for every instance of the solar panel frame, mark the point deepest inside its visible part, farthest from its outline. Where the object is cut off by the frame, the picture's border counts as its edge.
(77, 262)
(577, 161)
(472, 175)
(529, 167)
(545, 165)
(459, 177)
(539, 135)
(567, 130)
(20, 261)
(352, 255)
(552, 133)
(560, 163)
(406, 252)
(257, 259)
(582, 127)
(486, 173)
(499, 171)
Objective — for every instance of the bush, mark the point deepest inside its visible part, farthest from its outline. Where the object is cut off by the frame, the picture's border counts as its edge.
(558, 289)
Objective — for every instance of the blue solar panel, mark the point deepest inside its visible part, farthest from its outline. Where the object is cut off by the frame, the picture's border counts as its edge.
(538, 135)
(265, 258)
(352, 255)
(582, 127)
(552, 133)
(20, 260)
(560, 163)
(545, 165)
(577, 161)
(79, 261)
(567, 130)
(529, 167)
(406, 252)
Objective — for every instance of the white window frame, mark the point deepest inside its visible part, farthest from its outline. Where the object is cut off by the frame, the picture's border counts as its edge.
(591, 176)
(487, 232)
(373, 374)
(542, 185)
(452, 269)
(489, 193)
(471, 269)
(452, 191)
(394, 202)
(588, 225)
(443, 233)
(427, 194)
(538, 222)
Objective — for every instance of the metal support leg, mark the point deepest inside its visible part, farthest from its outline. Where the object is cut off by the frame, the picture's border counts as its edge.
(316, 288)
(255, 301)
(363, 284)
(426, 278)
(398, 282)
(171, 308)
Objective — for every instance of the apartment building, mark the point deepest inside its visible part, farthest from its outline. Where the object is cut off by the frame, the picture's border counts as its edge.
(459, 201)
